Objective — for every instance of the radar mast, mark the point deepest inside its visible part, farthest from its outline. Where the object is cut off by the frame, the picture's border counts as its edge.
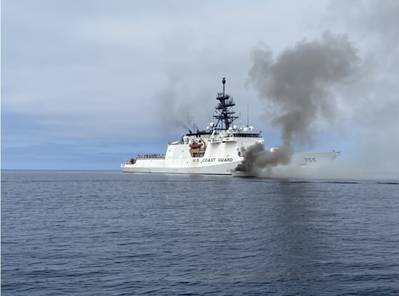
(224, 112)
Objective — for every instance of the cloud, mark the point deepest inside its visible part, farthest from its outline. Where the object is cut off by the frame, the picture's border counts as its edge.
(101, 69)
(100, 60)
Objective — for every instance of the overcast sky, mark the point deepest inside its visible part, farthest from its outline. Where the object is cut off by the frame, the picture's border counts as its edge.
(86, 84)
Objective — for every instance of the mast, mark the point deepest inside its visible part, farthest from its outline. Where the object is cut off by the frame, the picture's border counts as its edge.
(224, 84)
(247, 115)
(224, 109)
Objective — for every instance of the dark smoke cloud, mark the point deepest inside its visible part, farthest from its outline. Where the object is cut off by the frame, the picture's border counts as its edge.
(258, 158)
(298, 83)
(297, 86)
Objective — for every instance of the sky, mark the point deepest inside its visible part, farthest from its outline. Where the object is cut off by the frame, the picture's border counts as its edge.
(87, 84)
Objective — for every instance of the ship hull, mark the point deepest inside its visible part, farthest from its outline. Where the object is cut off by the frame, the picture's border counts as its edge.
(300, 162)
(217, 169)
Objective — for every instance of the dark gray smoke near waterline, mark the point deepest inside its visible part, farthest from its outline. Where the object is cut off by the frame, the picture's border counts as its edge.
(257, 158)
(297, 86)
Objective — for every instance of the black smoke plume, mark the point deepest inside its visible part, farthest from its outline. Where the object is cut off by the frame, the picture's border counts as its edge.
(298, 86)
(257, 158)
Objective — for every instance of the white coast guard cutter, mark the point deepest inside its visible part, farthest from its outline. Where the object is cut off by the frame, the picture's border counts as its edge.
(217, 150)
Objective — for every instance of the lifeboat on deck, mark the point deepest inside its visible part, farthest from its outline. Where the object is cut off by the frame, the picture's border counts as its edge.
(196, 145)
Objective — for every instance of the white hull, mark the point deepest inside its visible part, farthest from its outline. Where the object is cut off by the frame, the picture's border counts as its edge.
(217, 169)
(300, 160)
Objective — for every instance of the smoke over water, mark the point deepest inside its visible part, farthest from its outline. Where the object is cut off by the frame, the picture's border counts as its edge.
(257, 159)
(297, 87)
(173, 112)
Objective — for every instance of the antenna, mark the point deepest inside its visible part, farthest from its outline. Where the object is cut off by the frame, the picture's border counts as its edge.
(224, 112)
(247, 115)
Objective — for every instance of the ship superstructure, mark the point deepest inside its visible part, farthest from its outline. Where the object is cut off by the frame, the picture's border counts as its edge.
(217, 149)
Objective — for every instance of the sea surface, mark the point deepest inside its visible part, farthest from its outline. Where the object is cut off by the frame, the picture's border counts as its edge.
(109, 233)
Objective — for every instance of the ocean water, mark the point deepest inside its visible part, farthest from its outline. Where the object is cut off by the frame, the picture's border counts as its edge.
(108, 233)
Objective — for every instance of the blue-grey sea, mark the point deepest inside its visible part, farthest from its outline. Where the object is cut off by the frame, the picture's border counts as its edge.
(109, 233)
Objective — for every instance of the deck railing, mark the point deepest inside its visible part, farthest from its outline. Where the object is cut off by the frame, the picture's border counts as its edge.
(150, 156)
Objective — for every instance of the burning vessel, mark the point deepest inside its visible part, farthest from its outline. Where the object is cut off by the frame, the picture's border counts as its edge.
(216, 150)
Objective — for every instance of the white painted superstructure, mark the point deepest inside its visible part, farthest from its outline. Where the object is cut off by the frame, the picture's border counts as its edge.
(216, 150)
